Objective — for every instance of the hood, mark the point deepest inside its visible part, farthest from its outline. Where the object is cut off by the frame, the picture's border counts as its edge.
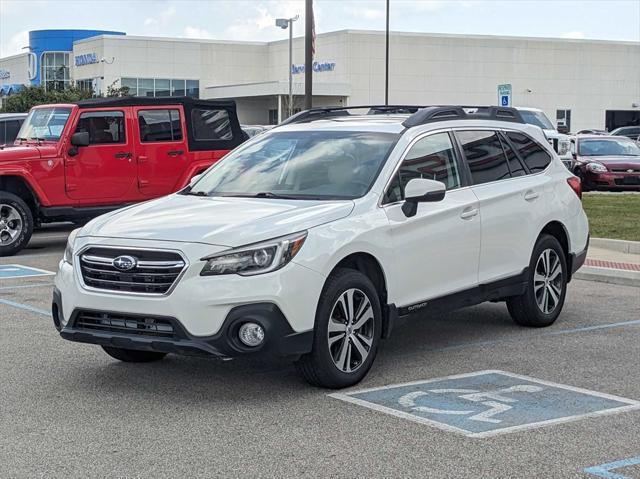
(25, 152)
(217, 221)
(630, 162)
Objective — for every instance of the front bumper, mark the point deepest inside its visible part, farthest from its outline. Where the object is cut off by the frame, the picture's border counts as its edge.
(280, 339)
(613, 181)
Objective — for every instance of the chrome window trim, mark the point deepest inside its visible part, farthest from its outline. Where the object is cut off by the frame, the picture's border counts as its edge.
(78, 266)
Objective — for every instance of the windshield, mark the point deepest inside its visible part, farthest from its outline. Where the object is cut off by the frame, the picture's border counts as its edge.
(44, 124)
(537, 118)
(300, 165)
(609, 147)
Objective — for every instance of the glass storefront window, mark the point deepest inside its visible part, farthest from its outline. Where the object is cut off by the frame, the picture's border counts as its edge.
(131, 84)
(54, 72)
(145, 86)
(177, 87)
(163, 87)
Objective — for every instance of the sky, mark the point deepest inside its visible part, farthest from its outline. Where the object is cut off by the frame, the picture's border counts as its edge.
(254, 20)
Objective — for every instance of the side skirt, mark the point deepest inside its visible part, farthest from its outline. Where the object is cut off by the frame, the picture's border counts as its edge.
(494, 291)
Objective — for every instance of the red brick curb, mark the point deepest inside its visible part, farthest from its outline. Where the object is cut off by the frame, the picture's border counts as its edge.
(598, 263)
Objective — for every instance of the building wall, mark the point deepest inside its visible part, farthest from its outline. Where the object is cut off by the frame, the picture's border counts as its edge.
(17, 66)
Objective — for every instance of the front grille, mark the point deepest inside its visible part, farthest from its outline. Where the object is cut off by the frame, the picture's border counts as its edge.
(626, 170)
(154, 272)
(125, 323)
(628, 181)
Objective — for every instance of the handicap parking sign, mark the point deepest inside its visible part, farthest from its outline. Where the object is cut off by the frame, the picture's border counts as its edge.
(504, 100)
(9, 271)
(487, 403)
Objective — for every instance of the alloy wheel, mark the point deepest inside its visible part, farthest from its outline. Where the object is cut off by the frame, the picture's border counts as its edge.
(548, 281)
(350, 332)
(10, 224)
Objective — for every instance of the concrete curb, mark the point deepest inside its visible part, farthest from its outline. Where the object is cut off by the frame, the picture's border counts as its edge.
(608, 275)
(622, 246)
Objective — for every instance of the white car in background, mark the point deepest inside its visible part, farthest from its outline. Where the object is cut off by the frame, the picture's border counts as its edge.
(561, 143)
(316, 239)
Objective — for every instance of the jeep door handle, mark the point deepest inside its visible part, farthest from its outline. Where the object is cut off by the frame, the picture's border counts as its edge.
(468, 213)
(122, 155)
(175, 152)
(531, 195)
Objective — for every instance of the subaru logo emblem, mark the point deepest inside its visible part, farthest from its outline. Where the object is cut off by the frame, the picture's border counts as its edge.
(125, 263)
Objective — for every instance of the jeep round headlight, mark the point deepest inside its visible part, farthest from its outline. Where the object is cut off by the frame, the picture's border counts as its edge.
(596, 167)
(255, 259)
(68, 251)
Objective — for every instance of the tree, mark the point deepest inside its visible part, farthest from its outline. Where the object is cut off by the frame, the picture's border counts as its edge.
(113, 90)
(31, 96)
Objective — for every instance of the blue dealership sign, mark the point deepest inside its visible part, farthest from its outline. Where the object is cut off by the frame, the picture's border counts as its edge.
(86, 59)
(487, 403)
(318, 67)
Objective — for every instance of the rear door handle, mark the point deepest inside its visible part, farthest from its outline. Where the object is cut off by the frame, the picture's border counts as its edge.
(175, 152)
(469, 213)
(122, 155)
(531, 195)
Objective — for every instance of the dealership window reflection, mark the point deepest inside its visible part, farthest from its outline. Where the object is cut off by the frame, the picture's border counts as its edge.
(159, 87)
(54, 70)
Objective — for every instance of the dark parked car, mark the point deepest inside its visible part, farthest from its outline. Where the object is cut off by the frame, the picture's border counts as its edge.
(632, 132)
(10, 124)
(606, 162)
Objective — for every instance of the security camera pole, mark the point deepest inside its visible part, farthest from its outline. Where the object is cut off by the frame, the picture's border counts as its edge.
(309, 40)
(386, 61)
(285, 23)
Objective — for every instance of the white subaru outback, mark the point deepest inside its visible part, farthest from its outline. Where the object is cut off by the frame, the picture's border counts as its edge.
(314, 240)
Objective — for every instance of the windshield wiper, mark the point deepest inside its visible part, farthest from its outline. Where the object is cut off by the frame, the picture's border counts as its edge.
(264, 194)
(195, 193)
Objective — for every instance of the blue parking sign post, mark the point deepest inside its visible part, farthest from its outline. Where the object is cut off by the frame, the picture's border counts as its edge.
(504, 94)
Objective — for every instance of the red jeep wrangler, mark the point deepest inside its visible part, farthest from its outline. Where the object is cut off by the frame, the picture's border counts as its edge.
(74, 162)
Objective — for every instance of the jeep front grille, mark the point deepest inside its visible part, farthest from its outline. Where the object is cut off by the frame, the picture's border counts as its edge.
(154, 272)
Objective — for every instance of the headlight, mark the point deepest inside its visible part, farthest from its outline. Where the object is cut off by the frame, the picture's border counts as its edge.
(596, 168)
(257, 258)
(563, 147)
(68, 251)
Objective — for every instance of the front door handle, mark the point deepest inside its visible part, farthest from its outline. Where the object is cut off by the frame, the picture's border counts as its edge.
(531, 195)
(122, 155)
(469, 213)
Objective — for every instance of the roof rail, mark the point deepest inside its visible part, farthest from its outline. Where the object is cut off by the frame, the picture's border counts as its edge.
(447, 113)
(337, 111)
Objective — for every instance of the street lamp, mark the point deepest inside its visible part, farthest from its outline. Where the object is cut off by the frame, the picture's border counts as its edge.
(285, 23)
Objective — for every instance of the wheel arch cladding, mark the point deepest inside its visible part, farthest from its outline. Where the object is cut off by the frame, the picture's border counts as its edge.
(19, 187)
(368, 265)
(558, 231)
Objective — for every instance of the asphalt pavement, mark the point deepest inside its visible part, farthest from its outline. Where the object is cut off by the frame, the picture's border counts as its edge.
(69, 410)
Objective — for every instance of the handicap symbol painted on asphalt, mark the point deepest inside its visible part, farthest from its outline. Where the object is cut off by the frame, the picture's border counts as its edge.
(10, 271)
(487, 403)
(496, 404)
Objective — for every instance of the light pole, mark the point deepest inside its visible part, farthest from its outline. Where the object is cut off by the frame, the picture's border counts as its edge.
(285, 23)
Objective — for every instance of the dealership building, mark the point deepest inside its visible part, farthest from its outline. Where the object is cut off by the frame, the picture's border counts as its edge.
(581, 83)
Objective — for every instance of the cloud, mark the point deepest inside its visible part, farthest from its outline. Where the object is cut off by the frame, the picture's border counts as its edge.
(162, 19)
(15, 44)
(195, 32)
(574, 34)
(258, 21)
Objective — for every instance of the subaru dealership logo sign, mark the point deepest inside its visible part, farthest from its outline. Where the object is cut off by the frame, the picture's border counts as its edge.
(318, 67)
(86, 59)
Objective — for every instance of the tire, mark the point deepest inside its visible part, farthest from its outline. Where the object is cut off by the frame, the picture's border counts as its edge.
(16, 224)
(546, 288)
(336, 359)
(133, 355)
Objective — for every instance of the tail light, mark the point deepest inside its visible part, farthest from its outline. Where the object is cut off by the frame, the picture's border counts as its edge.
(576, 185)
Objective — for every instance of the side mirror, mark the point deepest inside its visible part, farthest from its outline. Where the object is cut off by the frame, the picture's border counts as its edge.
(80, 138)
(421, 190)
(194, 179)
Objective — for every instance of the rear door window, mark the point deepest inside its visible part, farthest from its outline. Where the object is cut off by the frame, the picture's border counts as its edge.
(484, 155)
(211, 124)
(159, 125)
(515, 166)
(104, 127)
(534, 156)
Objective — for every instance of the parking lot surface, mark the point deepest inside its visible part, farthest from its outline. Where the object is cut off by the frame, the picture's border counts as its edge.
(69, 410)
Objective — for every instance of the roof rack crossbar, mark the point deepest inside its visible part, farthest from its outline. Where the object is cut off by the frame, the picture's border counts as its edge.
(331, 112)
(442, 113)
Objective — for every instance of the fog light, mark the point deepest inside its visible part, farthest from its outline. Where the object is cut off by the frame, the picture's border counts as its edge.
(251, 334)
